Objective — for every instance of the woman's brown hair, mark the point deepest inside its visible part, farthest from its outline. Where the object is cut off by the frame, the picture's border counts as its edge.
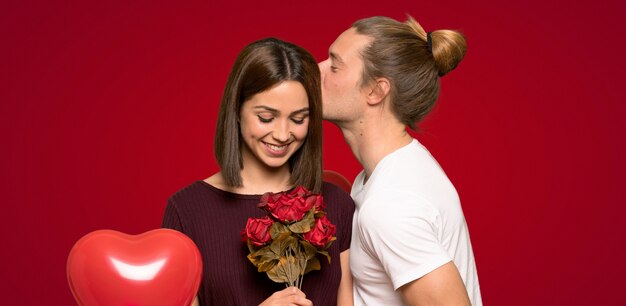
(402, 53)
(260, 66)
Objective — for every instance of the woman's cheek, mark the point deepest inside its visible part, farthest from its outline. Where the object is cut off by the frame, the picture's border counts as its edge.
(301, 131)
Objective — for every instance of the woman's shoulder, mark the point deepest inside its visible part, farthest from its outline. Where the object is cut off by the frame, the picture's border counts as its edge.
(188, 192)
(331, 189)
(198, 187)
(336, 196)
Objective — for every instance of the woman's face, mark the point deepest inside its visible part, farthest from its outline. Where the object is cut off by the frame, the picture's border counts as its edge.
(274, 123)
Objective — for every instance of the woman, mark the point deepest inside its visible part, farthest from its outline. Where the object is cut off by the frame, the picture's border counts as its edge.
(268, 139)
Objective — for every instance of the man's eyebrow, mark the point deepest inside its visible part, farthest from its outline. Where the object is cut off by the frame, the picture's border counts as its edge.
(336, 57)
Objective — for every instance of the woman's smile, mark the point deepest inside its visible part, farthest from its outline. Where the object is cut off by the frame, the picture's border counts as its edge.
(277, 150)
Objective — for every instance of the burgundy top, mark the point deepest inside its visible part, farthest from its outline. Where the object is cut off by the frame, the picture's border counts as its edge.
(213, 219)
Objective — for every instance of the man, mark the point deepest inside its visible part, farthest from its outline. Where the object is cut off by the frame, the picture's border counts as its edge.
(410, 242)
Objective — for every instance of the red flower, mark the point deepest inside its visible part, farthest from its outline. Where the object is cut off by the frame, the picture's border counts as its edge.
(322, 232)
(299, 192)
(292, 217)
(318, 202)
(317, 199)
(267, 198)
(287, 207)
(258, 230)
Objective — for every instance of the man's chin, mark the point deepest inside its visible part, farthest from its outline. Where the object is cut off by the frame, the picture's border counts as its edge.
(329, 119)
(333, 120)
(329, 116)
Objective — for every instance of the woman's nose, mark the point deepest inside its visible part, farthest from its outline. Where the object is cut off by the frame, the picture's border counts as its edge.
(282, 131)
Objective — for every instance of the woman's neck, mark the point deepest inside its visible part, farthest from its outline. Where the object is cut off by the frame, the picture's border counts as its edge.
(254, 182)
(257, 177)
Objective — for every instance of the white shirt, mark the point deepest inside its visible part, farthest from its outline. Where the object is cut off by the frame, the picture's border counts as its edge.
(408, 222)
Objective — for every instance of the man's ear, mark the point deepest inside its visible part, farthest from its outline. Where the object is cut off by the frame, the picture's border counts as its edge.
(379, 91)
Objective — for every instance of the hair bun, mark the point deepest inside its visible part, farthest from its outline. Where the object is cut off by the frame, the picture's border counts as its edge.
(448, 49)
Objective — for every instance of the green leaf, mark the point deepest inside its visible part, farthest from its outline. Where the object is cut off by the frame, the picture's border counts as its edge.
(309, 249)
(251, 246)
(267, 265)
(280, 245)
(286, 271)
(325, 253)
(264, 259)
(304, 225)
(301, 260)
(253, 259)
(329, 243)
(277, 274)
(277, 229)
(312, 264)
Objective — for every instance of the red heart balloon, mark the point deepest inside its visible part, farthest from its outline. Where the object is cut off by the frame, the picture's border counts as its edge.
(159, 267)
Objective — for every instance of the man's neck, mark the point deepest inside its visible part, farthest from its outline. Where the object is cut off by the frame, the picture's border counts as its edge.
(372, 139)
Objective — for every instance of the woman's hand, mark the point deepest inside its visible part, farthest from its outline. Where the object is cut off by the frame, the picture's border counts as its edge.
(291, 296)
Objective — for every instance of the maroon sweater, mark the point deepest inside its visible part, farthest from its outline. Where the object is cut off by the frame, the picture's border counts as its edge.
(213, 219)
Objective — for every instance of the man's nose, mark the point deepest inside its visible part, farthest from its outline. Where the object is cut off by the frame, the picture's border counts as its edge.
(322, 65)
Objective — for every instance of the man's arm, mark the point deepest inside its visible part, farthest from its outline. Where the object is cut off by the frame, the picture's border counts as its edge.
(344, 294)
(442, 286)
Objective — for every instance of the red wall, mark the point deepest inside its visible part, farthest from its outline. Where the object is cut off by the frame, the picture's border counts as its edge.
(109, 107)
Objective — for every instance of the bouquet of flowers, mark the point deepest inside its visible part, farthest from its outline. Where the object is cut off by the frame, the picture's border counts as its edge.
(285, 243)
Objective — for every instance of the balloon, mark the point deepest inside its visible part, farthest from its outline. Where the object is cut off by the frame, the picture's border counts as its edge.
(159, 267)
(337, 179)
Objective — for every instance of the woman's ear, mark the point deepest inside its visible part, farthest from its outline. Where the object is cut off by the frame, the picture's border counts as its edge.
(379, 91)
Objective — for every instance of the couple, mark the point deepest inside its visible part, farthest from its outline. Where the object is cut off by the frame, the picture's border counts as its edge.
(406, 241)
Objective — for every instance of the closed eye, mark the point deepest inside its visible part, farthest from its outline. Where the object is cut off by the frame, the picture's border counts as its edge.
(265, 119)
(299, 120)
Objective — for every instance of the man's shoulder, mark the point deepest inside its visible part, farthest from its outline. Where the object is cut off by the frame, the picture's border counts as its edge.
(390, 204)
(415, 175)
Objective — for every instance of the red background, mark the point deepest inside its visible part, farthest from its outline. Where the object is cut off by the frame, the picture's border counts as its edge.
(108, 107)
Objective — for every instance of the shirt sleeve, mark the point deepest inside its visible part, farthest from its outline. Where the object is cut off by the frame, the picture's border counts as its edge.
(171, 218)
(401, 230)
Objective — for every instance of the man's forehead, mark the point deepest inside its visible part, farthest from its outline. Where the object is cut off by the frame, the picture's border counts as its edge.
(348, 45)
